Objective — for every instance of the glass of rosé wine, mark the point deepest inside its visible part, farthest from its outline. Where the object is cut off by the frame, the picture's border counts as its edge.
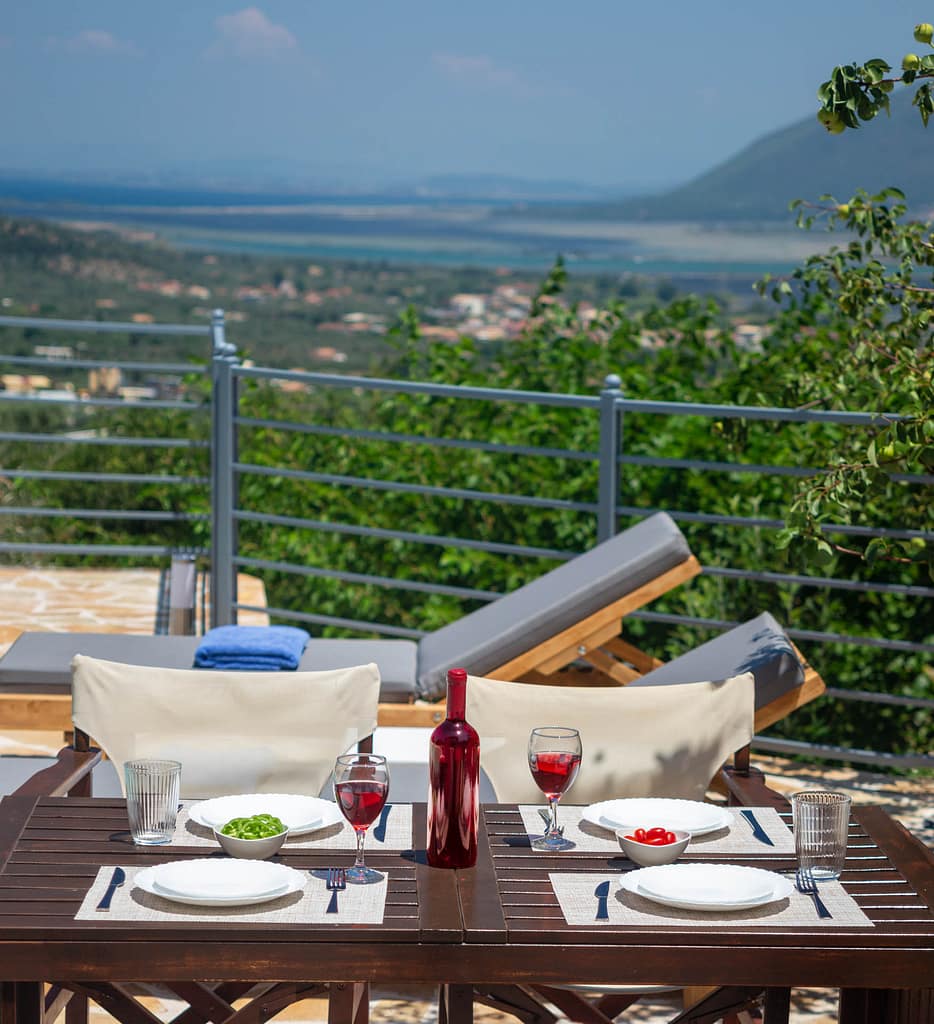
(361, 785)
(554, 760)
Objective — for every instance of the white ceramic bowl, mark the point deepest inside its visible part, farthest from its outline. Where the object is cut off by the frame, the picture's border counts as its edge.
(251, 849)
(648, 856)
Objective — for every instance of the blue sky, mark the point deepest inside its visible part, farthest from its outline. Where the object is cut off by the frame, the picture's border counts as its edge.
(601, 91)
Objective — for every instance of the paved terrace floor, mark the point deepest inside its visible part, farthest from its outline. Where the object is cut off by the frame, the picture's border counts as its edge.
(124, 601)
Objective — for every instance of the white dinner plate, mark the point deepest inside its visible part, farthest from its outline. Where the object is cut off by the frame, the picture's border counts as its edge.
(711, 887)
(692, 816)
(220, 883)
(300, 814)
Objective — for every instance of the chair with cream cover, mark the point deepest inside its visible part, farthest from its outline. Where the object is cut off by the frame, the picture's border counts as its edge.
(233, 732)
(666, 741)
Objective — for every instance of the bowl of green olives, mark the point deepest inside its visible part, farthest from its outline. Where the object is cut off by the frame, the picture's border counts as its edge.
(255, 838)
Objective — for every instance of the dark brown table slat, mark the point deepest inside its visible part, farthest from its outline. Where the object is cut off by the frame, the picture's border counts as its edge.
(55, 857)
(901, 917)
(503, 908)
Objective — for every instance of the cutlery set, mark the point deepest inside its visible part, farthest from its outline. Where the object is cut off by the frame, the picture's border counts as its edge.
(335, 883)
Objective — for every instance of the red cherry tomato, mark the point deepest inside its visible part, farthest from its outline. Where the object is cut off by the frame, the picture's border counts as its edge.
(640, 835)
(654, 833)
(656, 841)
(670, 837)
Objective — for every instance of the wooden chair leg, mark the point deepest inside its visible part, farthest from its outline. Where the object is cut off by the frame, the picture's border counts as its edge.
(776, 1006)
(575, 1007)
(455, 1004)
(348, 1002)
(525, 1004)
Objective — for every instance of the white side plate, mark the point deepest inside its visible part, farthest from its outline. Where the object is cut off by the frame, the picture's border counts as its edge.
(707, 887)
(221, 878)
(147, 881)
(300, 814)
(692, 816)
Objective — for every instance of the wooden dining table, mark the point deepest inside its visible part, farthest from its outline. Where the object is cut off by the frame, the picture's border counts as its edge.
(495, 927)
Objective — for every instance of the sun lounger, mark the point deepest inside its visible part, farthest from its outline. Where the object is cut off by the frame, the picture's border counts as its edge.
(571, 615)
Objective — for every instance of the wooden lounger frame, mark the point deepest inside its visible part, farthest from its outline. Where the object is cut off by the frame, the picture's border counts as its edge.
(595, 640)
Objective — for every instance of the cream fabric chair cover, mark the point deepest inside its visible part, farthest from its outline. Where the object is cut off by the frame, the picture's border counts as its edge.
(233, 732)
(652, 741)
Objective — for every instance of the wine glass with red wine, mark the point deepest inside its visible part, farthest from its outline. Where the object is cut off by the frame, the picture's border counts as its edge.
(361, 785)
(554, 760)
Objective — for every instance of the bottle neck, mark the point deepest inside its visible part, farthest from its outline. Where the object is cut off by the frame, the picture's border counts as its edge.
(457, 698)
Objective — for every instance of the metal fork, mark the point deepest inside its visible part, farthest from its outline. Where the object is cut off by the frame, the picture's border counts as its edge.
(336, 881)
(545, 815)
(805, 884)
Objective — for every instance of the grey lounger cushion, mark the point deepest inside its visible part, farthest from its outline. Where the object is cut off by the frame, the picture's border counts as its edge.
(504, 629)
(41, 662)
(759, 646)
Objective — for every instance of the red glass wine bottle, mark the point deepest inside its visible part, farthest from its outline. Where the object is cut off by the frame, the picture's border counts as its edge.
(454, 783)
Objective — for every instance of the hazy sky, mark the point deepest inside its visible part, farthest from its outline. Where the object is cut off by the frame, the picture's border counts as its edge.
(601, 91)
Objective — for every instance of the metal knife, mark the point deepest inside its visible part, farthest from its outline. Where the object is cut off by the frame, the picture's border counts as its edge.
(116, 880)
(379, 832)
(602, 892)
(757, 830)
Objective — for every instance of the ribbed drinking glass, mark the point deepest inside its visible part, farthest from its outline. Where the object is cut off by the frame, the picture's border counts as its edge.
(152, 789)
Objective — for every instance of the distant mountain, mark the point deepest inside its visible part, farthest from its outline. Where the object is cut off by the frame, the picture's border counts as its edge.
(802, 161)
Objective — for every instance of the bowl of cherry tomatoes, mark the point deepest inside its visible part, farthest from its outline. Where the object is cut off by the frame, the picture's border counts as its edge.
(650, 846)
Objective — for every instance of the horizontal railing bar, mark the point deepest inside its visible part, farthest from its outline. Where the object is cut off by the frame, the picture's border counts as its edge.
(100, 513)
(869, 697)
(797, 634)
(366, 578)
(104, 403)
(437, 442)
(405, 535)
(111, 478)
(458, 391)
(710, 518)
(830, 753)
(330, 620)
(372, 484)
(662, 462)
(756, 412)
(821, 582)
(115, 442)
(142, 550)
(105, 327)
(104, 364)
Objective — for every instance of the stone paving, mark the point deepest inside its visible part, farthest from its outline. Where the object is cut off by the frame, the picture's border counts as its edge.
(93, 601)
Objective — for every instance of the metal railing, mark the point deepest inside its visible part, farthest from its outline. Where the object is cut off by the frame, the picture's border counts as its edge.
(609, 409)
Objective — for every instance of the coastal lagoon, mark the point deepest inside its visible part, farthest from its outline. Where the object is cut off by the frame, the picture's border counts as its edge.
(417, 230)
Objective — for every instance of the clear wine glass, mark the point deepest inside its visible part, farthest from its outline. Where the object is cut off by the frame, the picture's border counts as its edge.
(361, 785)
(554, 760)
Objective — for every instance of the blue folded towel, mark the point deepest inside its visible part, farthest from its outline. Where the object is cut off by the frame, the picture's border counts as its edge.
(251, 648)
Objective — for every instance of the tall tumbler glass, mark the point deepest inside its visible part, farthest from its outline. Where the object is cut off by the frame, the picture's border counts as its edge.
(821, 820)
(152, 789)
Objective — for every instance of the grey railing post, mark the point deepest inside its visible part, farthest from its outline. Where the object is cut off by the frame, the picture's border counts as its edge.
(223, 489)
(611, 433)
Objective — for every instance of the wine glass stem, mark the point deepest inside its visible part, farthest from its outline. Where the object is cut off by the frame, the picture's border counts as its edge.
(553, 807)
(361, 835)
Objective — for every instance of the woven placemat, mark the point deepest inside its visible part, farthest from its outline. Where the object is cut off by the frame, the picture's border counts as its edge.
(737, 839)
(335, 837)
(575, 894)
(357, 904)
